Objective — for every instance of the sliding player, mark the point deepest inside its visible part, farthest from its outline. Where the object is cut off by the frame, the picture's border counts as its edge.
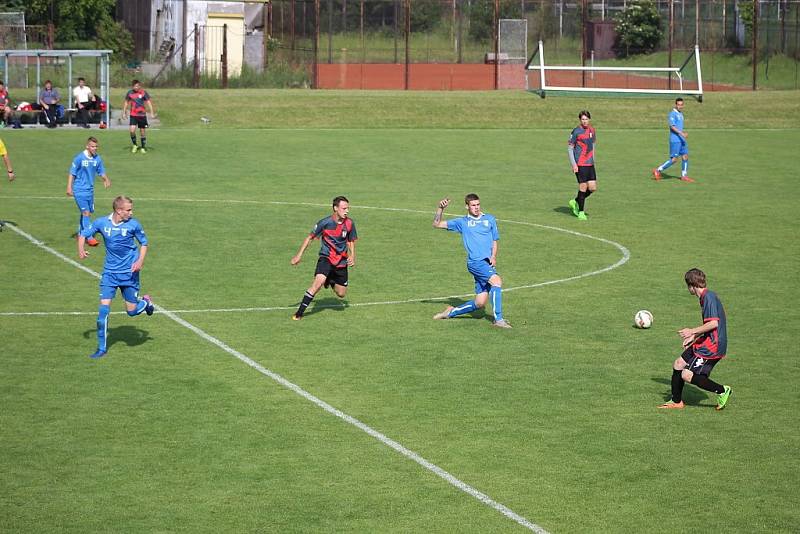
(479, 234)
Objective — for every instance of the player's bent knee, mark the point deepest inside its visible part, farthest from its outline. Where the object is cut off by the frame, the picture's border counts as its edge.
(687, 375)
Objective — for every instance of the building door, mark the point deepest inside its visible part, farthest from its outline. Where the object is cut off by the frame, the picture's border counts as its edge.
(213, 43)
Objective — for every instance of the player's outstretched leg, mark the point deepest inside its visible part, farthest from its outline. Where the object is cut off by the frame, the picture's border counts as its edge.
(307, 298)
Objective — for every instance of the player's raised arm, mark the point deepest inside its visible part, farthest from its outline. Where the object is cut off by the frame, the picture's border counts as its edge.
(437, 216)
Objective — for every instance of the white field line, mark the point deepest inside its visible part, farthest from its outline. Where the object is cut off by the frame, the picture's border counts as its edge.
(625, 257)
(411, 455)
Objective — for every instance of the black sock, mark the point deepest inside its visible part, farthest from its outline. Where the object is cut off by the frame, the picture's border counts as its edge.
(588, 192)
(703, 382)
(133, 139)
(677, 386)
(144, 141)
(581, 199)
(307, 298)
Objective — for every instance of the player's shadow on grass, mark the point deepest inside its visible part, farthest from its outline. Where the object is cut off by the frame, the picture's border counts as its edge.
(128, 334)
(691, 394)
(566, 210)
(327, 304)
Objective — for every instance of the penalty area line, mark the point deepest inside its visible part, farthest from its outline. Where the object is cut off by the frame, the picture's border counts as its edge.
(398, 447)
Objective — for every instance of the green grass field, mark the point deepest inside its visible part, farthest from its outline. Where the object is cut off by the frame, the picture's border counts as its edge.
(555, 420)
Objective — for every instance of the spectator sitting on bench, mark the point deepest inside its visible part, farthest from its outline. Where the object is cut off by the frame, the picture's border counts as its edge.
(84, 101)
(5, 108)
(49, 99)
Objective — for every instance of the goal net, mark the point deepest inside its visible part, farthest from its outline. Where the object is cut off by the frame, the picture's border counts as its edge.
(512, 45)
(14, 37)
(685, 79)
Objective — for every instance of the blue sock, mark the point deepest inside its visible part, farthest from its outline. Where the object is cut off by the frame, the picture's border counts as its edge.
(666, 165)
(84, 223)
(140, 306)
(684, 167)
(496, 298)
(467, 307)
(102, 326)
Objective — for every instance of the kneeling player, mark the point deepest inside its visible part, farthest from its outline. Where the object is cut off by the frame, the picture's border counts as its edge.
(337, 232)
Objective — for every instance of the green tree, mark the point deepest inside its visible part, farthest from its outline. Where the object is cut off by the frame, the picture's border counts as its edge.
(73, 19)
(638, 29)
(481, 15)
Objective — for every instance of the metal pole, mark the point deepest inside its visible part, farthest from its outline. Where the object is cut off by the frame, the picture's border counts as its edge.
(316, 44)
(697, 22)
(460, 36)
(291, 33)
(584, 22)
(755, 44)
(183, 33)
(671, 40)
(330, 31)
(361, 31)
(196, 66)
(408, 46)
(396, 26)
(496, 31)
(224, 56)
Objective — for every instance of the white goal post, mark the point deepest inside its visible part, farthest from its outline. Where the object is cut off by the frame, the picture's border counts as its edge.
(645, 80)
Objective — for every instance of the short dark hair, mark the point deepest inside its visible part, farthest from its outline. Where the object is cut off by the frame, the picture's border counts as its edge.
(134, 82)
(585, 112)
(695, 278)
(679, 99)
(84, 79)
(470, 197)
(47, 81)
(92, 139)
(338, 200)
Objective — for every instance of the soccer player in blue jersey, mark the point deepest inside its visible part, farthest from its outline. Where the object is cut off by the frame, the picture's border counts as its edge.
(581, 157)
(337, 233)
(124, 261)
(678, 148)
(80, 184)
(704, 345)
(479, 234)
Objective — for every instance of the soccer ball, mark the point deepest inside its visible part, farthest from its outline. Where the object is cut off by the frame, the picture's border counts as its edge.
(643, 319)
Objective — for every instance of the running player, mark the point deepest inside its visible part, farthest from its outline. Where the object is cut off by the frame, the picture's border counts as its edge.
(138, 100)
(678, 148)
(337, 233)
(704, 345)
(124, 261)
(581, 157)
(80, 184)
(479, 234)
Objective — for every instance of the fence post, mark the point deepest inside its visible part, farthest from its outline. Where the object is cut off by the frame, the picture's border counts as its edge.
(291, 33)
(224, 56)
(196, 69)
(671, 40)
(330, 31)
(51, 35)
(755, 44)
(185, 19)
(496, 21)
(408, 38)
(584, 23)
(315, 81)
(697, 22)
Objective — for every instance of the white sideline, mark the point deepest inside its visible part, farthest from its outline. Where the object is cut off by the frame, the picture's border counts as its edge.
(411, 455)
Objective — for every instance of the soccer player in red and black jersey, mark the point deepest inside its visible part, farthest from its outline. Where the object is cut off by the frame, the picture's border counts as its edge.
(337, 232)
(581, 157)
(704, 345)
(138, 100)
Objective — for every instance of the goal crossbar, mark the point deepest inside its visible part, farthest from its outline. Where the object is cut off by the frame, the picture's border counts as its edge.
(678, 72)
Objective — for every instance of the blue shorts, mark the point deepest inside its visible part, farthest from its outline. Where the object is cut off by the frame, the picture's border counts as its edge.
(481, 271)
(678, 148)
(128, 284)
(85, 201)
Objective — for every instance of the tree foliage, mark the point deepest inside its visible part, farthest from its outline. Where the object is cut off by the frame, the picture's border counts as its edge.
(73, 19)
(638, 29)
(481, 15)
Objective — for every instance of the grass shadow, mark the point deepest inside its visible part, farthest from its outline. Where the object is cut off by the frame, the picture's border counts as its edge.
(691, 394)
(128, 334)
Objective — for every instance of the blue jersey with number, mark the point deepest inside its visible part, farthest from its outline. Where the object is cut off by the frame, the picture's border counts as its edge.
(477, 233)
(85, 168)
(121, 249)
(676, 120)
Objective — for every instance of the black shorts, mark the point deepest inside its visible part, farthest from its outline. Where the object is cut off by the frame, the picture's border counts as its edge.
(585, 174)
(332, 274)
(141, 122)
(697, 364)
